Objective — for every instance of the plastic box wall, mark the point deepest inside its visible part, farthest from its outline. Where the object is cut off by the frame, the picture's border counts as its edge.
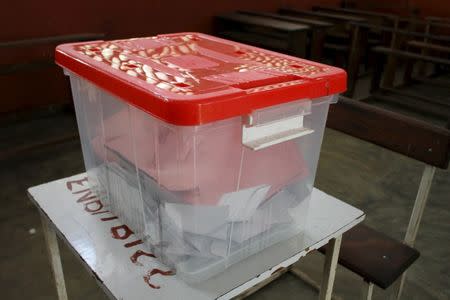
(199, 199)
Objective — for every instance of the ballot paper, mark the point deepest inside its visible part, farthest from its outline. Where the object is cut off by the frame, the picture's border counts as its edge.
(179, 231)
(274, 211)
(242, 204)
(198, 219)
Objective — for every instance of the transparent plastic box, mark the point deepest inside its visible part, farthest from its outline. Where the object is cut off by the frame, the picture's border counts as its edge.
(207, 149)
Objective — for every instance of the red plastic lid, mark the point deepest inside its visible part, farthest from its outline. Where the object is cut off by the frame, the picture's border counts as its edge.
(194, 78)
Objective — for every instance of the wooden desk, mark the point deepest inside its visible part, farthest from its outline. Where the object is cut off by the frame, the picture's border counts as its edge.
(390, 69)
(345, 27)
(359, 46)
(438, 19)
(372, 15)
(317, 33)
(293, 35)
(428, 46)
(354, 11)
(324, 15)
(125, 270)
(397, 31)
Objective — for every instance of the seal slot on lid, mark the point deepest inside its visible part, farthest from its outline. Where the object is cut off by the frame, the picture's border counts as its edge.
(206, 148)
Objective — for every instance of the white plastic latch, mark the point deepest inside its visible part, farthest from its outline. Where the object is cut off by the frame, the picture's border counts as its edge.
(261, 136)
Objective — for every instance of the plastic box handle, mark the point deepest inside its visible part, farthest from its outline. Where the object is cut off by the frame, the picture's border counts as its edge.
(260, 136)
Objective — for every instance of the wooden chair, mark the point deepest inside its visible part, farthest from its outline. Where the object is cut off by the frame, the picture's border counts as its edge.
(409, 136)
(377, 258)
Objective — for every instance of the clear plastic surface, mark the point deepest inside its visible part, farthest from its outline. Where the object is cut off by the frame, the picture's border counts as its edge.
(197, 196)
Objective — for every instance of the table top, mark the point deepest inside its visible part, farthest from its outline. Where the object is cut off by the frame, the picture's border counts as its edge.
(121, 265)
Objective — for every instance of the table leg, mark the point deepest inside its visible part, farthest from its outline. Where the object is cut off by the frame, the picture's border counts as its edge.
(416, 216)
(317, 42)
(329, 271)
(357, 47)
(55, 258)
(368, 291)
(419, 204)
(391, 65)
(309, 281)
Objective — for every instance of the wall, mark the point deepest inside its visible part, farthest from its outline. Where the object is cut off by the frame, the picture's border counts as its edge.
(440, 8)
(40, 83)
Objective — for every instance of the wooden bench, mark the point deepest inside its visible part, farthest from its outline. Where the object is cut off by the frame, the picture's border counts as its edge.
(347, 41)
(428, 46)
(374, 256)
(30, 63)
(409, 136)
(342, 23)
(397, 37)
(316, 35)
(388, 79)
(418, 139)
(408, 21)
(30, 54)
(354, 11)
(401, 31)
(438, 19)
(323, 15)
(295, 19)
(267, 42)
(265, 32)
(372, 17)
(337, 38)
(415, 29)
(433, 81)
(374, 36)
(442, 110)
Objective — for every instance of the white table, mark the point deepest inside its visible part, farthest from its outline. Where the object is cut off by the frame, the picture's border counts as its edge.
(125, 271)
